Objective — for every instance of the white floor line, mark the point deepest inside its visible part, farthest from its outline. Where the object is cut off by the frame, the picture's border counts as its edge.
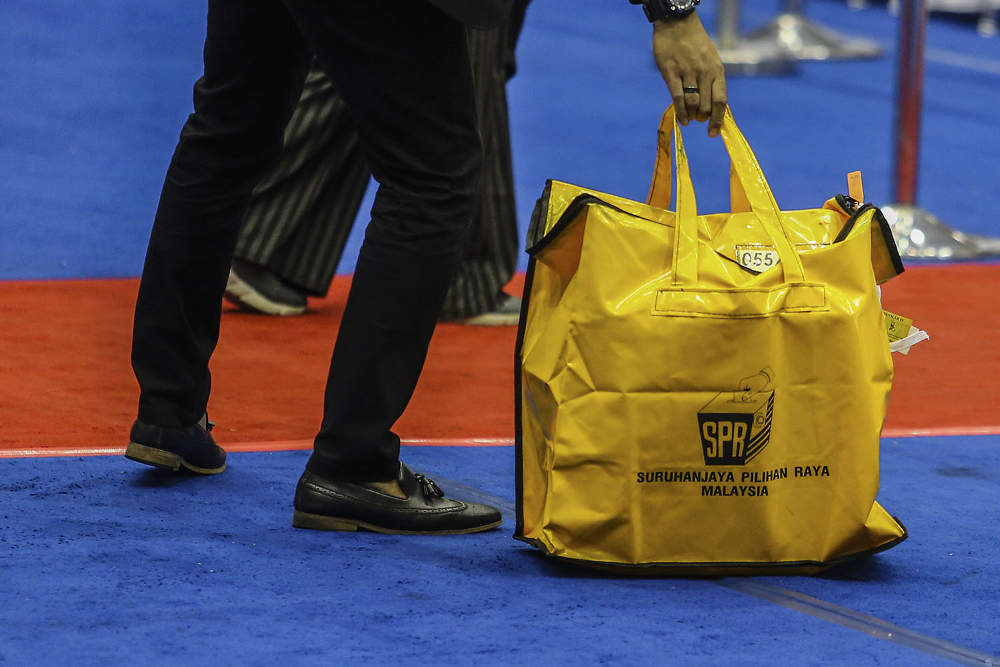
(984, 65)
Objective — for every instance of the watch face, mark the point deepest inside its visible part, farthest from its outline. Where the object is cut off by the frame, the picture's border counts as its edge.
(668, 10)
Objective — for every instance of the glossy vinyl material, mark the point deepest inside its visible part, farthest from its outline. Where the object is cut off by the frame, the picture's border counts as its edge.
(683, 414)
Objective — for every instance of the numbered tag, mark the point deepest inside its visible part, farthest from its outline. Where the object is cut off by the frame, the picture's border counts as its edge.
(757, 257)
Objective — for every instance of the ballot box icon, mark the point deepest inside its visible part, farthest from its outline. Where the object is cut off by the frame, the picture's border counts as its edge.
(735, 426)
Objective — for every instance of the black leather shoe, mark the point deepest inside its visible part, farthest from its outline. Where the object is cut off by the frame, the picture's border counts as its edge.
(325, 504)
(192, 448)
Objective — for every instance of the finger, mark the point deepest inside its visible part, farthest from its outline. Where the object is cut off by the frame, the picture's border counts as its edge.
(719, 103)
(704, 111)
(676, 89)
(692, 95)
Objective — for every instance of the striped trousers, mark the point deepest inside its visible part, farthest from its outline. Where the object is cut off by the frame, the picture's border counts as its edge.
(302, 211)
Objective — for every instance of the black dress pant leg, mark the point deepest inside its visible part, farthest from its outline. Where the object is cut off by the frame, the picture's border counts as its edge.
(402, 67)
(403, 70)
(255, 62)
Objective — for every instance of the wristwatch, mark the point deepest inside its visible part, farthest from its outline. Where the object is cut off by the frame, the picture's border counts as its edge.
(667, 10)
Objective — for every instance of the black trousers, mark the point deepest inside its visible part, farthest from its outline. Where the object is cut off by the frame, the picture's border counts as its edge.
(302, 211)
(402, 68)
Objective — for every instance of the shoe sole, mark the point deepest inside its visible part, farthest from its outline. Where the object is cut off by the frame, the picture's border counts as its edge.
(320, 522)
(159, 458)
(492, 320)
(243, 295)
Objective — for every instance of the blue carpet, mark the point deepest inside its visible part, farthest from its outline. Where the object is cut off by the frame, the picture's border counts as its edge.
(944, 579)
(124, 565)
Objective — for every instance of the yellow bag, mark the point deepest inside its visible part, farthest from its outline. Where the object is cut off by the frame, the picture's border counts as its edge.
(703, 395)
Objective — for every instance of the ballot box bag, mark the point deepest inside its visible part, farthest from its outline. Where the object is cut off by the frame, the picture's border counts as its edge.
(703, 394)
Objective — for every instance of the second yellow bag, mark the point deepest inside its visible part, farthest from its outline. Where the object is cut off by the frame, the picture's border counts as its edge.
(703, 395)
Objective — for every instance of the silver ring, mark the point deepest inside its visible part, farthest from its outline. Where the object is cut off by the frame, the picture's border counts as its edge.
(690, 89)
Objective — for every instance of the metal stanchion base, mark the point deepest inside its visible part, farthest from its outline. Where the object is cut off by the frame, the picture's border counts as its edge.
(807, 40)
(986, 244)
(920, 235)
(749, 57)
(988, 24)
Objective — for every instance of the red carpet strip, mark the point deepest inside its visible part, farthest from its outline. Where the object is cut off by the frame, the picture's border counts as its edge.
(66, 385)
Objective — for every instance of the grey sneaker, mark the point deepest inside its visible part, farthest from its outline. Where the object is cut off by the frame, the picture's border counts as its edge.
(507, 313)
(254, 287)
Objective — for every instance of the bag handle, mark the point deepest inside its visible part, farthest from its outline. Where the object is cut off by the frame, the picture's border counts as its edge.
(754, 186)
(661, 188)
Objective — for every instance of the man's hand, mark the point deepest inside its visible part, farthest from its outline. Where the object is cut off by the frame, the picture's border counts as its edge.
(689, 62)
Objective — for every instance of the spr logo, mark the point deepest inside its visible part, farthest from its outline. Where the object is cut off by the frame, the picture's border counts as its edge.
(736, 426)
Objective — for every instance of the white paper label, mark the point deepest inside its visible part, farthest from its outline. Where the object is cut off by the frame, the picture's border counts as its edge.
(757, 257)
